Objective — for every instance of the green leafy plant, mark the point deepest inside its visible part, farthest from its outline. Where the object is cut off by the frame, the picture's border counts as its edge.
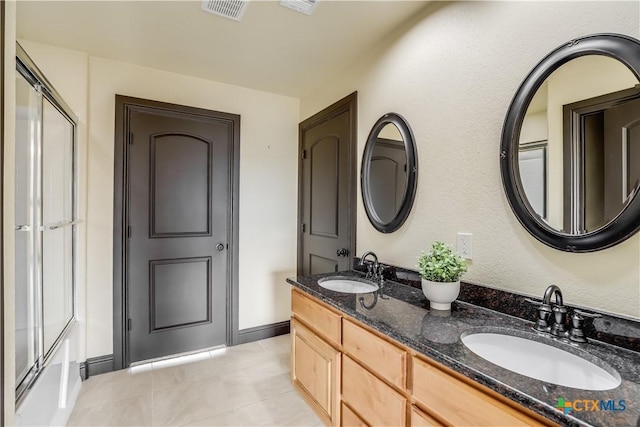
(441, 264)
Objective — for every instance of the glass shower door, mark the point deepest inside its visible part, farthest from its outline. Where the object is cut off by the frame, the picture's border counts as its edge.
(57, 218)
(45, 223)
(28, 117)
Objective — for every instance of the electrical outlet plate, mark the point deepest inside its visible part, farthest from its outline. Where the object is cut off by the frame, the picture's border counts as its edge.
(464, 245)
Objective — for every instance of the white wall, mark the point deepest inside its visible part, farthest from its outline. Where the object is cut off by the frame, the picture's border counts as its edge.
(452, 73)
(268, 178)
(534, 127)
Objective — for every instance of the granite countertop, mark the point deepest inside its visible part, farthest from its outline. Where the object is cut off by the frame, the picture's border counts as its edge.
(404, 316)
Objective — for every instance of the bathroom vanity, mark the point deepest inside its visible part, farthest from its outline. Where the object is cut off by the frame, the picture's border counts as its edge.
(361, 359)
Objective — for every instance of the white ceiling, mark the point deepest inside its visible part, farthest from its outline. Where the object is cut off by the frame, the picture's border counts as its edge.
(272, 49)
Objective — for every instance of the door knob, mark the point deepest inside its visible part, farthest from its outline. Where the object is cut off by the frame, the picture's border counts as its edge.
(342, 252)
(220, 247)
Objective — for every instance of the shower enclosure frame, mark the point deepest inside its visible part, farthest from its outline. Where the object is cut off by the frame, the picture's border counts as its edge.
(2, 228)
(42, 355)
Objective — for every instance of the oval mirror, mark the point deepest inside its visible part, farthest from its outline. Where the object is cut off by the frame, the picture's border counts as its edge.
(570, 152)
(389, 172)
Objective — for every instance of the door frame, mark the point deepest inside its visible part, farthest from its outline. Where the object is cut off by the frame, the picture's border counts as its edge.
(124, 106)
(573, 151)
(350, 104)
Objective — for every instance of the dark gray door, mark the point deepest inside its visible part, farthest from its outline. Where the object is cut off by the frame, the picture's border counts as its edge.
(622, 154)
(178, 205)
(327, 190)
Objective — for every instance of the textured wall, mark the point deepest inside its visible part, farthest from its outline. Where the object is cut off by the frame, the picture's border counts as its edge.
(451, 73)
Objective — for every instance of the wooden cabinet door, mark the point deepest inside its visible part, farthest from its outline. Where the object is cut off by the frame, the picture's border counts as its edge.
(315, 372)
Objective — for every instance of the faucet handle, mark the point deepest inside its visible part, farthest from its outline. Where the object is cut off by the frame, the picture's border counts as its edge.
(543, 320)
(369, 270)
(581, 313)
(381, 282)
(559, 327)
(576, 333)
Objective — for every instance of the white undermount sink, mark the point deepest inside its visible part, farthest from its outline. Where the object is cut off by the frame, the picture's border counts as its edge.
(540, 361)
(349, 285)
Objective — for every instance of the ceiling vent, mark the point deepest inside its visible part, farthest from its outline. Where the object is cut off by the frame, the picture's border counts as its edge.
(232, 9)
(303, 6)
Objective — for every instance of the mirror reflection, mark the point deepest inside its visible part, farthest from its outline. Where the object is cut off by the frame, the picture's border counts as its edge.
(579, 151)
(388, 173)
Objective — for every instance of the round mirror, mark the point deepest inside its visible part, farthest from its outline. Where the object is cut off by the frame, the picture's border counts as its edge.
(570, 153)
(389, 172)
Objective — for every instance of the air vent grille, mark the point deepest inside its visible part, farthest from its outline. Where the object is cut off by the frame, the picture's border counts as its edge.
(232, 9)
(303, 6)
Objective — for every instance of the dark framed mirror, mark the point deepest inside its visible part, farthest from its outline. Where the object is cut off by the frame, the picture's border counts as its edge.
(570, 150)
(389, 173)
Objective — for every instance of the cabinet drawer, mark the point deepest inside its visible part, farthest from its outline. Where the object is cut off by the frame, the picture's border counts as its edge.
(322, 320)
(420, 419)
(376, 402)
(382, 357)
(458, 402)
(350, 418)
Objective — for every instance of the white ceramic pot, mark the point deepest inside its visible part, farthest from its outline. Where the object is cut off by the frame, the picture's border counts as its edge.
(440, 294)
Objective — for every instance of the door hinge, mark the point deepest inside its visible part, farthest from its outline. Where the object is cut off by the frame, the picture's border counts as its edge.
(303, 227)
(130, 138)
(129, 324)
(304, 154)
(129, 232)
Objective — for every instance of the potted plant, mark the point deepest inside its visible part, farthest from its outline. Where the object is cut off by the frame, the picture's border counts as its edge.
(440, 270)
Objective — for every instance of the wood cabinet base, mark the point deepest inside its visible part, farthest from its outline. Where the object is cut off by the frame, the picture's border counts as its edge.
(352, 375)
(315, 372)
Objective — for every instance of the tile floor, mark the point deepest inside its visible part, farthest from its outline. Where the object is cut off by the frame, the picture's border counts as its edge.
(245, 385)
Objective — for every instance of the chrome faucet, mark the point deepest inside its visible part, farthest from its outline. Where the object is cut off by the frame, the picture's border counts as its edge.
(375, 272)
(372, 269)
